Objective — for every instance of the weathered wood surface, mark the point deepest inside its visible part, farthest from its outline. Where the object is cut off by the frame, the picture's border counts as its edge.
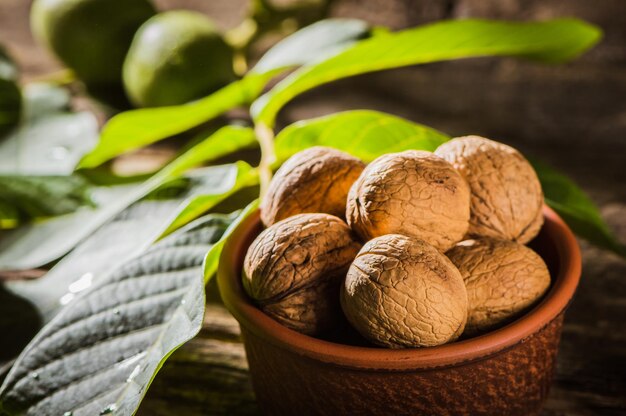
(573, 116)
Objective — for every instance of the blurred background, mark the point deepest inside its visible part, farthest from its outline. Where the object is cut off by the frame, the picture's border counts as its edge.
(572, 116)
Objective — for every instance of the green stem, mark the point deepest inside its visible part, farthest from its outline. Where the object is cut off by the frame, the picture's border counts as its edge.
(265, 18)
(62, 77)
(265, 136)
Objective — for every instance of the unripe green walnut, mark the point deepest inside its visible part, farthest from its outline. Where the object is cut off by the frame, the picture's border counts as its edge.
(401, 292)
(414, 193)
(176, 57)
(90, 36)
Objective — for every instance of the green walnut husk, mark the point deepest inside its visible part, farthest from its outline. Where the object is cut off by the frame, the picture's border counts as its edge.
(91, 37)
(176, 57)
(10, 95)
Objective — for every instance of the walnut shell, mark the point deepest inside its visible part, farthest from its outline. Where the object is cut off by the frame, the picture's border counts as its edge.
(402, 292)
(503, 279)
(314, 180)
(294, 268)
(506, 196)
(413, 193)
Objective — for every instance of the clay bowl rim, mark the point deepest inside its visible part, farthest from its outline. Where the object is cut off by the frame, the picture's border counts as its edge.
(456, 353)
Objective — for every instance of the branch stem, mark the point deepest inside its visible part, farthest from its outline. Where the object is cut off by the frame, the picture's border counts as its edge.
(265, 136)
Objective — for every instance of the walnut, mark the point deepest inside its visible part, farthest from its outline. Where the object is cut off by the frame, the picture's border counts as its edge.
(402, 292)
(503, 279)
(413, 193)
(294, 268)
(506, 194)
(314, 180)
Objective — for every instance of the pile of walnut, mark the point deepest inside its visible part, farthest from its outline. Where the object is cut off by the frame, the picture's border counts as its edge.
(443, 233)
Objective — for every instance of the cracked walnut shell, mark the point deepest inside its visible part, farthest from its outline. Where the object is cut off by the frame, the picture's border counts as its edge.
(503, 279)
(413, 193)
(314, 180)
(401, 292)
(506, 196)
(294, 268)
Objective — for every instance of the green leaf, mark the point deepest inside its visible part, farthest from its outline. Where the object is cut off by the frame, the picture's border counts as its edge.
(44, 196)
(208, 198)
(9, 216)
(576, 208)
(363, 133)
(50, 139)
(8, 69)
(37, 244)
(40, 299)
(101, 353)
(44, 99)
(130, 233)
(212, 258)
(550, 41)
(137, 128)
(312, 43)
(219, 144)
(10, 95)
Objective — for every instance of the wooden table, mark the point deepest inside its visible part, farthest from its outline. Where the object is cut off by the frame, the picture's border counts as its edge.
(572, 116)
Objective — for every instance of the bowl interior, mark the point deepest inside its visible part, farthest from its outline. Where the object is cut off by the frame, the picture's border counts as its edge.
(555, 243)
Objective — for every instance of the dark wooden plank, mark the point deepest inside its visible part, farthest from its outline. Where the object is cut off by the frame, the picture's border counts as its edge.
(208, 375)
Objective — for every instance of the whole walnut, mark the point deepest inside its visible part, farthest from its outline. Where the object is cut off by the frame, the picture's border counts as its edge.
(401, 292)
(413, 193)
(294, 268)
(314, 180)
(503, 279)
(506, 196)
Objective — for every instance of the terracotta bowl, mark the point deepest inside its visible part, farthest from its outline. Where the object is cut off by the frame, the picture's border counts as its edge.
(505, 372)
